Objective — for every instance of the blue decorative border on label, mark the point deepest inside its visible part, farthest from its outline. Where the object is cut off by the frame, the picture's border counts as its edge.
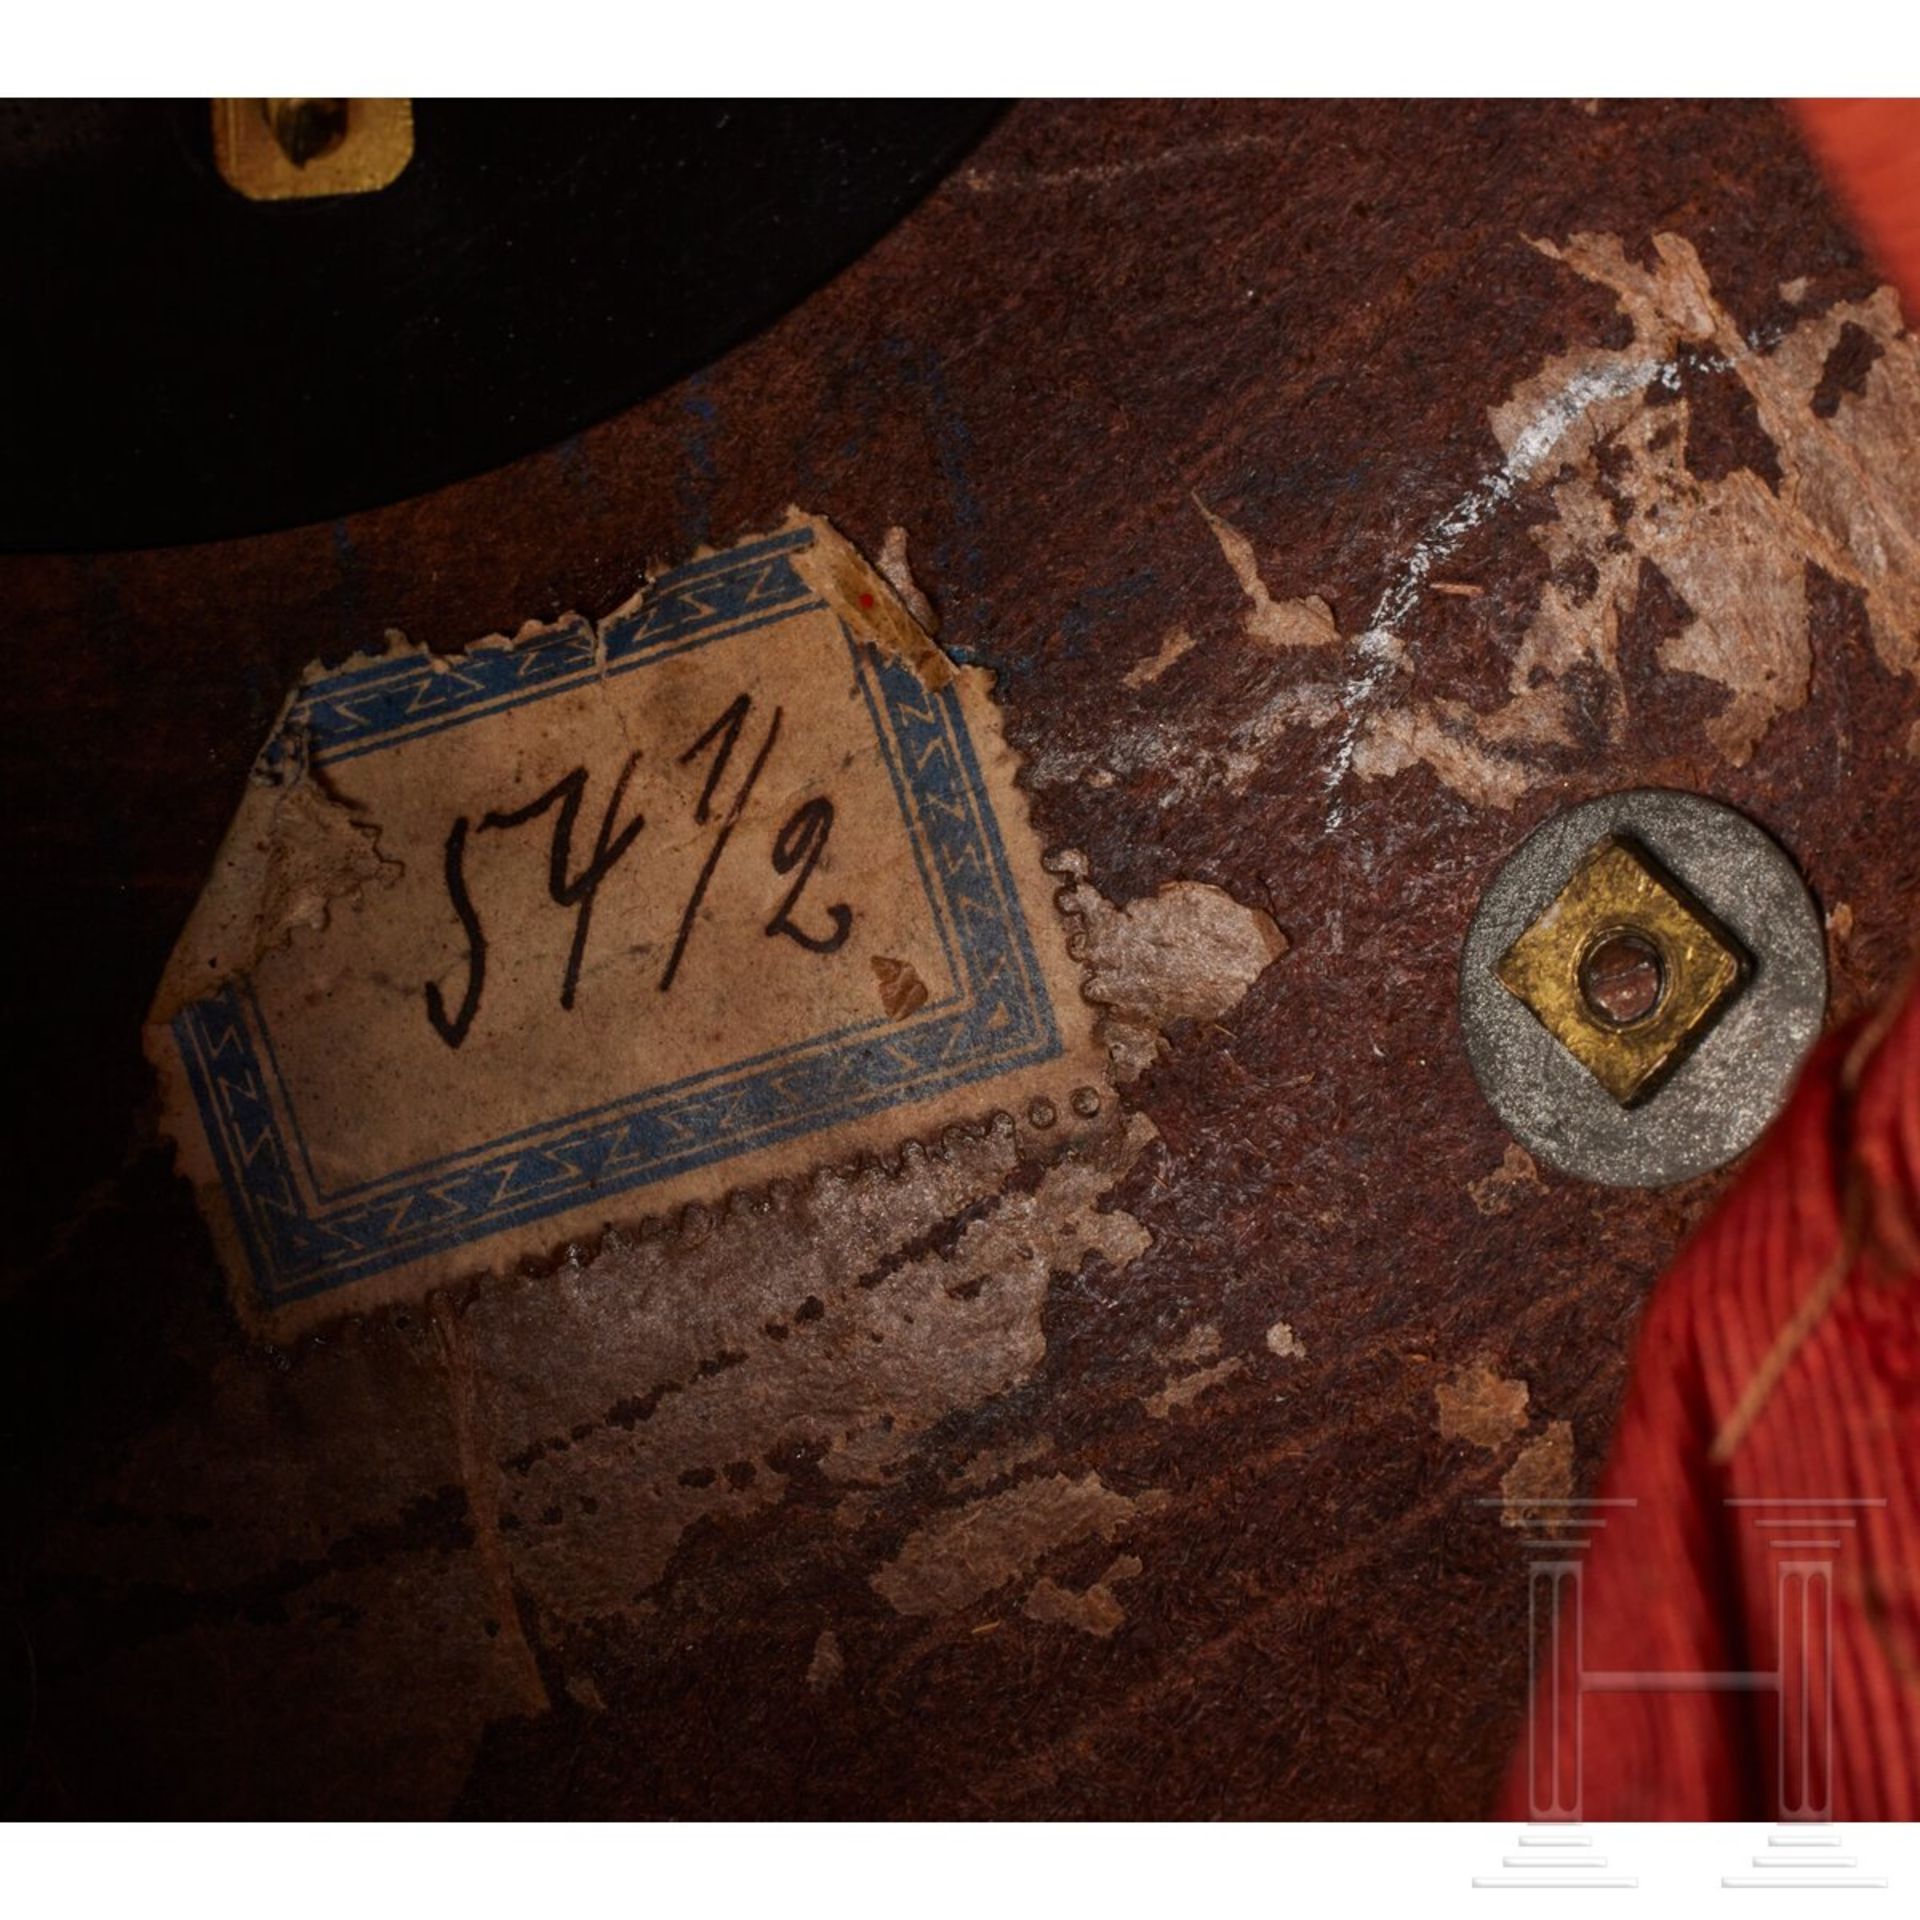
(1001, 1021)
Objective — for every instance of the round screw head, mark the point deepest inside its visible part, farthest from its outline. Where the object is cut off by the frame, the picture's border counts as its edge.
(1622, 978)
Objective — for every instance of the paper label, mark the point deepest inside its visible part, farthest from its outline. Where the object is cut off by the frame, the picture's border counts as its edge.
(508, 947)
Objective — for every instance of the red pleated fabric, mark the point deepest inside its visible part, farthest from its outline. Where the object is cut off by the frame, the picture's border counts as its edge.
(1870, 151)
(1768, 1446)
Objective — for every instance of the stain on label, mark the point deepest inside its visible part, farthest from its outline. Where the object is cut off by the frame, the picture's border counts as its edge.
(608, 919)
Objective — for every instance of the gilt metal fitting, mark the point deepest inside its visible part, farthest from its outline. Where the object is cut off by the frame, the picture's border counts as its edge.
(1640, 984)
(309, 149)
(1623, 969)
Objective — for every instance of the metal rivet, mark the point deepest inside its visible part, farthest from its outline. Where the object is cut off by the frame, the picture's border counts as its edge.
(1641, 981)
(1623, 927)
(304, 149)
(1086, 1103)
(1041, 1113)
(1623, 978)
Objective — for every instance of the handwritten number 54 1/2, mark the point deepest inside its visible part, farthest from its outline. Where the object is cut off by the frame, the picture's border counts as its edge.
(797, 849)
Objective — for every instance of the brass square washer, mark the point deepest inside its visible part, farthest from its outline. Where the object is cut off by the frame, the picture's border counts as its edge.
(1619, 889)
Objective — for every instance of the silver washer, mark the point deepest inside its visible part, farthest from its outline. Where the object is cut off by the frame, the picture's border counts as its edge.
(1723, 1094)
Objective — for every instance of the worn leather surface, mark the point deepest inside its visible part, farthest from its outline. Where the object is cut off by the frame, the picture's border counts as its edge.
(388, 1571)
